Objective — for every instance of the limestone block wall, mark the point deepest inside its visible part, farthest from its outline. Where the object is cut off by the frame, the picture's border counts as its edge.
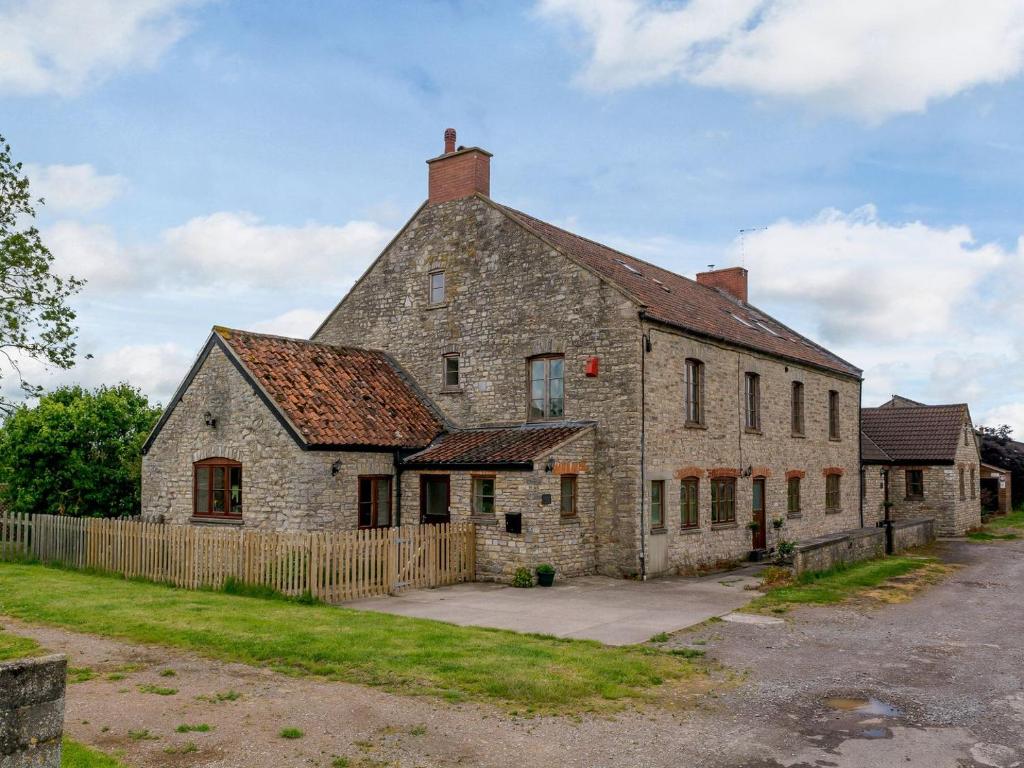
(953, 515)
(283, 487)
(674, 449)
(569, 544)
(32, 712)
(843, 548)
(509, 296)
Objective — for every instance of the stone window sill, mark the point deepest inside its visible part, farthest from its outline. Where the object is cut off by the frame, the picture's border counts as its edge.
(833, 511)
(569, 519)
(798, 435)
(695, 425)
(198, 520)
(723, 526)
(442, 305)
(451, 391)
(835, 439)
(483, 519)
(659, 531)
(794, 515)
(689, 530)
(752, 431)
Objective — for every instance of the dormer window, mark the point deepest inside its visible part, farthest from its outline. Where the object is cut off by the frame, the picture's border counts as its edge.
(437, 293)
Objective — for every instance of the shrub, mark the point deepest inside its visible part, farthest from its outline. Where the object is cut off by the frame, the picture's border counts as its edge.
(291, 733)
(523, 578)
(545, 568)
(785, 549)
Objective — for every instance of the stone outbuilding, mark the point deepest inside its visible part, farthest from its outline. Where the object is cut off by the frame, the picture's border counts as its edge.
(923, 461)
(996, 490)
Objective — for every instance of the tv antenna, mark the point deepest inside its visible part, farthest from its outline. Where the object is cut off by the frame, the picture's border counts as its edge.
(743, 242)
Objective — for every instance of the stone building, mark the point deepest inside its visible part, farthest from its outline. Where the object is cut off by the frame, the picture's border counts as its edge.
(923, 460)
(583, 407)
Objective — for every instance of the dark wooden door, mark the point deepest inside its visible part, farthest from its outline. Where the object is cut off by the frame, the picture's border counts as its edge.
(435, 499)
(760, 535)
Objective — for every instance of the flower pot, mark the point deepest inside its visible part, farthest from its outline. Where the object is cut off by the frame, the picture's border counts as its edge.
(545, 579)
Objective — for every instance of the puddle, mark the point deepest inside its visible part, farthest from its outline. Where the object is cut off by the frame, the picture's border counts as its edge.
(876, 733)
(863, 706)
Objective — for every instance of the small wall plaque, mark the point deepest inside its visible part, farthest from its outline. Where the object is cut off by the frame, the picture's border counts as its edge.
(545, 499)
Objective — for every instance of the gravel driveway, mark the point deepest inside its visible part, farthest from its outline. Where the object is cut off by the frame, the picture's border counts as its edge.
(934, 682)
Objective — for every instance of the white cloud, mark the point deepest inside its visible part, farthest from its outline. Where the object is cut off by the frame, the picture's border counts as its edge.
(74, 187)
(296, 323)
(62, 46)
(1012, 414)
(871, 58)
(225, 252)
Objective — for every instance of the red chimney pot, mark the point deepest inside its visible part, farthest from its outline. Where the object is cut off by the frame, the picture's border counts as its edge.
(449, 140)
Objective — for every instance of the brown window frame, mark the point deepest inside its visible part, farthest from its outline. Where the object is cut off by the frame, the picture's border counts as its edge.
(793, 496)
(833, 415)
(445, 383)
(546, 410)
(723, 498)
(374, 501)
(572, 481)
(689, 503)
(963, 484)
(208, 466)
(693, 381)
(974, 483)
(660, 486)
(833, 496)
(796, 409)
(752, 401)
(914, 481)
(476, 499)
(431, 287)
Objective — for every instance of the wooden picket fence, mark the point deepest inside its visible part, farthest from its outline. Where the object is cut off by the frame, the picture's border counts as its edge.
(330, 566)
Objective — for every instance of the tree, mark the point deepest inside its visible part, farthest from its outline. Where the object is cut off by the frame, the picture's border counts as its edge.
(76, 452)
(35, 319)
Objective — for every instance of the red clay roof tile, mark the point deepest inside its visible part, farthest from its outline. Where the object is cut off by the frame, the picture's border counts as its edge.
(497, 445)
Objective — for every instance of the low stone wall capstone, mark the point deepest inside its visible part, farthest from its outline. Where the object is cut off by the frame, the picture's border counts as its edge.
(824, 552)
(32, 712)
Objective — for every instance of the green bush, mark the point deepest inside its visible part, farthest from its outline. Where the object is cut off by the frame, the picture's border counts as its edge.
(545, 568)
(523, 578)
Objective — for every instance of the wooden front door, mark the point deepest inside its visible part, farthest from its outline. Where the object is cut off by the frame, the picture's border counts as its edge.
(760, 534)
(435, 499)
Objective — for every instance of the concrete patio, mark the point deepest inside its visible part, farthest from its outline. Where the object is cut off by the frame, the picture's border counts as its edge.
(612, 611)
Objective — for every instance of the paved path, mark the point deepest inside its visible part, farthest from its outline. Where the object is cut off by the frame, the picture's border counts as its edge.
(613, 611)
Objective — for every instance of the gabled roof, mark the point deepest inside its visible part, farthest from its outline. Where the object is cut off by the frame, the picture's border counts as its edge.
(919, 434)
(898, 401)
(871, 453)
(683, 303)
(508, 447)
(326, 396)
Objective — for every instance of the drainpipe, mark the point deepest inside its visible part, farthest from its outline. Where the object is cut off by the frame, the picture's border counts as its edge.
(398, 487)
(863, 473)
(645, 346)
(889, 544)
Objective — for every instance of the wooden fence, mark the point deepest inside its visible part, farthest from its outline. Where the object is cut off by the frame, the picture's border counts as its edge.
(331, 566)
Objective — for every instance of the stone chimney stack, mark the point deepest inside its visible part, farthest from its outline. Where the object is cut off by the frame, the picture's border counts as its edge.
(732, 280)
(459, 172)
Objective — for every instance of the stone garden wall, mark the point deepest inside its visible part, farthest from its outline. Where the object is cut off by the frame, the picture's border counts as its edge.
(32, 712)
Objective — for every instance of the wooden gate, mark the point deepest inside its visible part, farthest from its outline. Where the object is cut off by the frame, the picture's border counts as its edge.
(327, 565)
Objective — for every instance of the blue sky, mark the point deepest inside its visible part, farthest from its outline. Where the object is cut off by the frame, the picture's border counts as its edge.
(241, 163)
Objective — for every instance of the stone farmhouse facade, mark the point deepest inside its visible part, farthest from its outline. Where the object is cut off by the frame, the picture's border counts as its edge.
(581, 406)
(924, 461)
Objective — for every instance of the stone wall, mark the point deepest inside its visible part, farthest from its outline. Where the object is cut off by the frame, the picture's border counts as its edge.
(569, 544)
(824, 552)
(32, 712)
(283, 487)
(509, 296)
(674, 449)
(908, 534)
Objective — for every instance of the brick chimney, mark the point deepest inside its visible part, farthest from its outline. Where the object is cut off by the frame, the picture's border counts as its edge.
(458, 172)
(732, 280)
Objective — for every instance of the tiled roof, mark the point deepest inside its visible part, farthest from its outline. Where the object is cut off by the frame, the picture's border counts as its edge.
(684, 303)
(924, 434)
(870, 452)
(497, 445)
(337, 396)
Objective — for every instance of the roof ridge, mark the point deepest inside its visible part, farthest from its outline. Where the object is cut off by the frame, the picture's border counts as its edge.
(351, 347)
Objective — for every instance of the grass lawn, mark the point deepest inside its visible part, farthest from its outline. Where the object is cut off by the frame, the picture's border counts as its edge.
(1000, 528)
(843, 582)
(15, 647)
(404, 655)
(75, 755)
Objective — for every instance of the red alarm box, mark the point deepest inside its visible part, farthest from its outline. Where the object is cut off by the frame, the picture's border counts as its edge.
(592, 366)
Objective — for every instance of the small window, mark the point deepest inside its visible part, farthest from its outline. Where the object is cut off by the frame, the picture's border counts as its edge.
(688, 517)
(657, 503)
(833, 414)
(915, 483)
(437, 288)
(375, 501)
(793, 496)
(217, 488)
(547, 388)
(694, 392)
(723, 500)
(568, 496)
(451, 372)
(753, 401)
(974, 484)
(483, 495)
(796, 419)
(963, 483)
(833, 493)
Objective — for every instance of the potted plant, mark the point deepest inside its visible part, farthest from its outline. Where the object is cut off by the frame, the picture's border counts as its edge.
(778, 522)
(545, 575)
(784, 551)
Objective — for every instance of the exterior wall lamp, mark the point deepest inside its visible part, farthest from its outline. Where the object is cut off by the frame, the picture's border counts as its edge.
(210, 420)
(335, 467)
(550, 465)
